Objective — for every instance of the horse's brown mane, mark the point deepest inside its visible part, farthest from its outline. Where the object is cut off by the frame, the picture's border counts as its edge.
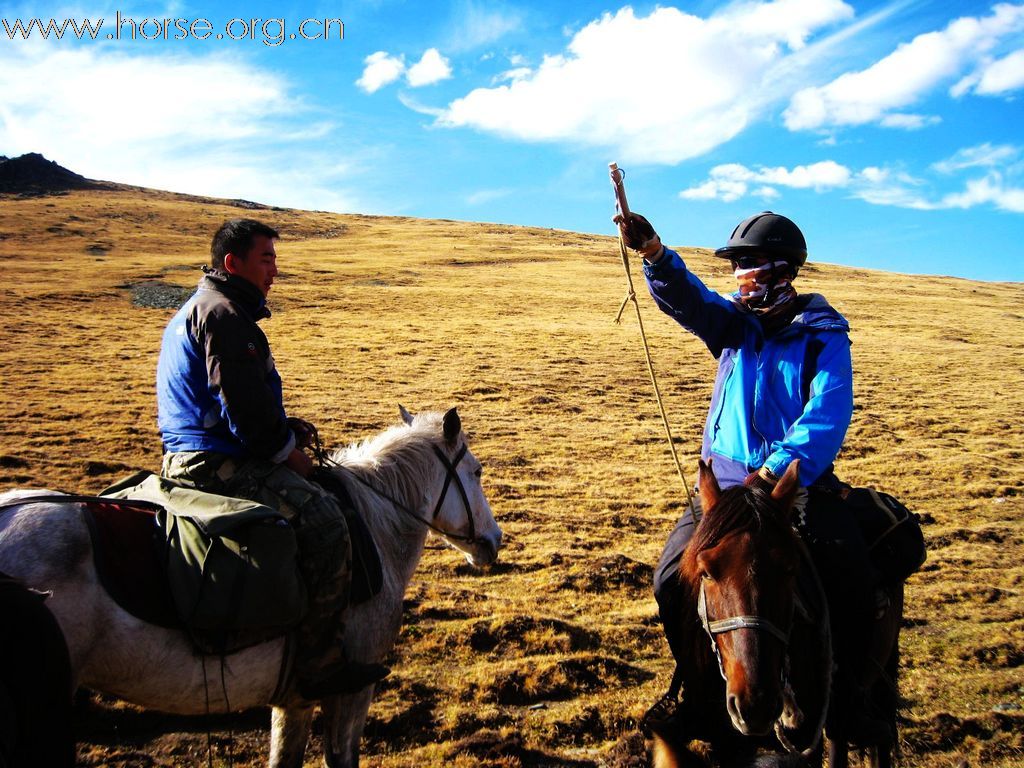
(739, 509)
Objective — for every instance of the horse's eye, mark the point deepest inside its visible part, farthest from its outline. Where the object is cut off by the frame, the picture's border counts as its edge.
(479, 472)
(704, 564)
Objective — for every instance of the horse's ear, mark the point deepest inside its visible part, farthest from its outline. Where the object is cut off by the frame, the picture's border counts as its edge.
(785, 490)
(406, 416)
(710, 490)
(452, 426)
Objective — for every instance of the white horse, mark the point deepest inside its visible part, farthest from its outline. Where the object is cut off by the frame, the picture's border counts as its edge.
(411, 476)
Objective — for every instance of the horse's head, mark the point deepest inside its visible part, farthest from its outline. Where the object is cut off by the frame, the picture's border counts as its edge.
(742, 563)
(459, 508)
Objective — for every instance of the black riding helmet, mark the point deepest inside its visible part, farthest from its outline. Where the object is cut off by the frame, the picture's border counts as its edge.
(769, 234)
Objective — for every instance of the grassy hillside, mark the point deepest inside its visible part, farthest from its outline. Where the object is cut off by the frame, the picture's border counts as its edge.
(551, 656)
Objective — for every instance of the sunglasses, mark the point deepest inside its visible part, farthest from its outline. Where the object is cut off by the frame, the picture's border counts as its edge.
(749, 262)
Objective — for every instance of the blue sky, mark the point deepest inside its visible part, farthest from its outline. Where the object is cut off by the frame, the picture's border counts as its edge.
(889, 131)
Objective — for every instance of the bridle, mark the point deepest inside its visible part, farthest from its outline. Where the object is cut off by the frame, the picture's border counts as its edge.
(732, 623)
(451, 473)
(720, 626)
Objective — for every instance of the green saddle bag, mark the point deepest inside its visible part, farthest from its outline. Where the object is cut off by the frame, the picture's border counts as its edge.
(231, 564)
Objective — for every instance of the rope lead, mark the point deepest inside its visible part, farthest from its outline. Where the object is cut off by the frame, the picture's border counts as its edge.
(620, 203)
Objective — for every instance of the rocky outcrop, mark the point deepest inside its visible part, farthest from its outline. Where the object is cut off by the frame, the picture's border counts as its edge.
(33, 174)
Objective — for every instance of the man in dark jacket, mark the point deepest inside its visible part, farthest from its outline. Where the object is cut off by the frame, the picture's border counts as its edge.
(784, 391)
(224, 430)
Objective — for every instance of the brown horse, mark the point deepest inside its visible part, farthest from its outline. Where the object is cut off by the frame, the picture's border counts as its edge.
(758, 667)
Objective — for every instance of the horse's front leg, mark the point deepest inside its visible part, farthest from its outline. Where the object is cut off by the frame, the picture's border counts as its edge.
(289, 732)
(344, 719)
(838, 751)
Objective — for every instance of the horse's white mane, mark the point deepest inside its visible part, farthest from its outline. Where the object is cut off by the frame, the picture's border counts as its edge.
(399, 458)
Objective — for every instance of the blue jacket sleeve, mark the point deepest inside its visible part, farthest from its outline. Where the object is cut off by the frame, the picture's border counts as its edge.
(817, 435)
(682, 296)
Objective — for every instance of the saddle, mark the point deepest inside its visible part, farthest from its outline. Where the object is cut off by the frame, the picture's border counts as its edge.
(165, 563)
(125, 542)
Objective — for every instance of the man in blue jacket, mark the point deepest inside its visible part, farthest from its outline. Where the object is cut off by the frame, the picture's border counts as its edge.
(224, 430)
(784, 391)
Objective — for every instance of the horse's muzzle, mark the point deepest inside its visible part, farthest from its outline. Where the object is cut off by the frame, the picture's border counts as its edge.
(485, 550)
(754, 716)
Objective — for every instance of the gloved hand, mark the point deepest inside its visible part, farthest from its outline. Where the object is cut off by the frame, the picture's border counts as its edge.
(639, 235)
(304, 432)
(763, 478)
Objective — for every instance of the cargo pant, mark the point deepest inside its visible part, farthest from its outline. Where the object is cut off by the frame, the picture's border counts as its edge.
(325, 549)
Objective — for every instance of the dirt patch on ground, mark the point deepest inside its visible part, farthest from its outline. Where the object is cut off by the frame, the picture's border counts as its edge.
(985, 737)
(527, 634)
(609, 573)
(563, 679)
(158, 295)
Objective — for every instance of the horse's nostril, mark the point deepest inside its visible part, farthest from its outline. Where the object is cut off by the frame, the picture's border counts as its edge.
(733, 706)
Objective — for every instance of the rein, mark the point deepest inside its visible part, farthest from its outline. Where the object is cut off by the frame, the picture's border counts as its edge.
(326, 462)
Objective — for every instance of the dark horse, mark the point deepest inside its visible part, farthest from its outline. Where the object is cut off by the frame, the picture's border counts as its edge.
(758, 667)
(35, 682)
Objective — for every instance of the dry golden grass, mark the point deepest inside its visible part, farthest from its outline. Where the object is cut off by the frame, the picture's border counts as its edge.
(551, 656)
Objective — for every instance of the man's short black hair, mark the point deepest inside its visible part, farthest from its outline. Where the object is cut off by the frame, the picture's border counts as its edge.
(236, 236)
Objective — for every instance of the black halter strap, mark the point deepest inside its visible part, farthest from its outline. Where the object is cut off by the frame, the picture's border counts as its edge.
(450, 466)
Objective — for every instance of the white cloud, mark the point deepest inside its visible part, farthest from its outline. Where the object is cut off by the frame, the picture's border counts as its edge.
(431, 68)
(993, 78)
(474, 26)
(513, 75)
(885, 186)
(818, 176)
(879, 186)
(676, 99)
(768, 193)
(1002, 76)
(983, 155)
(906, 75)
(381, 69)
(789, 21)
(732, 181)
(989, 189)
(487, 195)
(726, 190)
(84, 101)
(908, 122)
(208, 125)
(411, 103)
